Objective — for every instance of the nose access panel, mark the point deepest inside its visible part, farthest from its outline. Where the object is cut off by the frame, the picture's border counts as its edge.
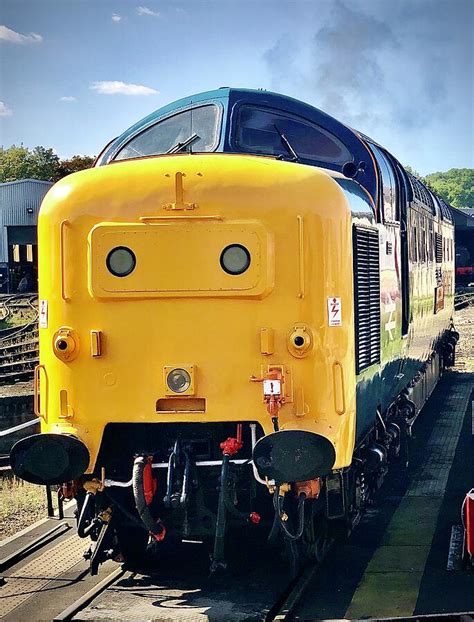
(181, 259)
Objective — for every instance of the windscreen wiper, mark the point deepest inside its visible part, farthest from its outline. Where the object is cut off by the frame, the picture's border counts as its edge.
(185, 143)
(294, 156)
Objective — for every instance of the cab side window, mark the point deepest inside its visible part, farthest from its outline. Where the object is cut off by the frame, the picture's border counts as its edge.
(389, 186)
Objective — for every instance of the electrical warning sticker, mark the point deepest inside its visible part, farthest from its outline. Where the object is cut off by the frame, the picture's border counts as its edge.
(334, 312)
(43, 314)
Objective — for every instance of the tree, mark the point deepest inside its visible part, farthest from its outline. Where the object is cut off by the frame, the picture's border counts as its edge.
(44, 164)
(14, 163)
(455, 186)
(75, 164)
(412, 171)
(39, 163)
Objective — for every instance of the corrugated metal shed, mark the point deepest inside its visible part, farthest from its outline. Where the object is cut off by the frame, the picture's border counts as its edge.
(19, 205)
(463, 218)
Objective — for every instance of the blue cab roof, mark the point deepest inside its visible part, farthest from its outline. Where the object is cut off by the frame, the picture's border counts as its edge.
(230, 99)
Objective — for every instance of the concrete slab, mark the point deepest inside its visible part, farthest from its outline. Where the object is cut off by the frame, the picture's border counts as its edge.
(413, 522)
(24, 582)
(137, 598)
(400, 558)
(385, 595)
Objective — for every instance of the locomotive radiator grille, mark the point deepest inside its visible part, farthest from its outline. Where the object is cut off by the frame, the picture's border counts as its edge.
(367, 297)
(439, 247)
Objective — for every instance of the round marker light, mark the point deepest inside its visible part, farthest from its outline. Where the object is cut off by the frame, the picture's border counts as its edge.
(235, 259)
(121, 261)
(178, 380)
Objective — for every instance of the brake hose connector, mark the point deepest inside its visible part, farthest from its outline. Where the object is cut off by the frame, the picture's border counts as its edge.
(156, 529)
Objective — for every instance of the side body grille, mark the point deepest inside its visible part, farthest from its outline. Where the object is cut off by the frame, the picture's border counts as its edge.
(367, 296)
(439, 247)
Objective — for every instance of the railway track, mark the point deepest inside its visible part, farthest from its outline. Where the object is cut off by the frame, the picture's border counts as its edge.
(19, 347)
(122, 580)
(4, 462)
(463, 299)
(81, 597)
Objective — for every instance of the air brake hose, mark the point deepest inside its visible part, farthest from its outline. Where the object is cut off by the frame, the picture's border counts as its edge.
(278, 505)
(86, 521)
(155, 528)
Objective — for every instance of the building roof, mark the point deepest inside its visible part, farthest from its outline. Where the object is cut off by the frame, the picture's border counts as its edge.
(463, 218)
(24, 181)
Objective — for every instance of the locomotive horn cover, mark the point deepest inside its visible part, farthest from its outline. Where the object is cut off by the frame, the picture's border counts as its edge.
(49, 458)
(293, 456)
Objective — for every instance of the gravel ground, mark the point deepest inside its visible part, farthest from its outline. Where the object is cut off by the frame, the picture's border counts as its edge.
(22, 504)
(16, 390)
(464, 322)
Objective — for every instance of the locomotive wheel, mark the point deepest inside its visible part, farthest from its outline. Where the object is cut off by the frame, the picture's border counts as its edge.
(316, 539)
(403, 457)
(132, 545)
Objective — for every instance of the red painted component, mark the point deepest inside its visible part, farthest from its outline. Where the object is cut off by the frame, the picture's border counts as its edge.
(68, 490)
(159, 536)
(149, 482)
(231, 446)
(310, 488)
(254, 518)
(273, 401)
(469, 521)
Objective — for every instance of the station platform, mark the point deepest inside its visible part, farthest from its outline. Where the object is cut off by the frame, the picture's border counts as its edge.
(398, 562)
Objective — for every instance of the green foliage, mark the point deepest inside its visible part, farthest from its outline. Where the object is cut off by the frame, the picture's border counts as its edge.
(412, 171)
(44, 164)
(455, 186)
(75, 164)
(14, 163)
(39, 163)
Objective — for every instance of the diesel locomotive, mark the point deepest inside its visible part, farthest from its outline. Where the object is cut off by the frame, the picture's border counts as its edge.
(243, 307)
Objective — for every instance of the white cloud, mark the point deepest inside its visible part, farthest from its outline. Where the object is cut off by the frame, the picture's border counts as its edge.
(115, 87)
(144, 10)
(68, 98)
(15, 37)
(116, 18)
(5, 110)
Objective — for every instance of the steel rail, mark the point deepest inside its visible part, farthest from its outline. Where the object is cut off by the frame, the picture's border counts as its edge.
(21, 426)
(89, 596)
(284, 607)
(33, 546)
(463, 299)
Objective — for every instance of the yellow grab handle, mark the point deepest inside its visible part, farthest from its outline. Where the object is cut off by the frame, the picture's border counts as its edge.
(62, 253)
(36, 401)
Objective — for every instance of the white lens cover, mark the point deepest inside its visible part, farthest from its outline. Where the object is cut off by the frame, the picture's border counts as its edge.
(272, 387)
(178, 380)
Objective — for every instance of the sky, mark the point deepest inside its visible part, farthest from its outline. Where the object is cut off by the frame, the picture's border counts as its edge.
(76, 73)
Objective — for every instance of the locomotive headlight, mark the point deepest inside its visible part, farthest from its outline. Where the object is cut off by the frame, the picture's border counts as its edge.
(178, 380)
(235, 259)
(121, 261)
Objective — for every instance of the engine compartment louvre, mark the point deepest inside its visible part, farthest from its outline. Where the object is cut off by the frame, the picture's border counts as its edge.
(366, 296)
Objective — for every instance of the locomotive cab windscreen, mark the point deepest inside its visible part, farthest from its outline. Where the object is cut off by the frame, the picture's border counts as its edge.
(239, 121)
